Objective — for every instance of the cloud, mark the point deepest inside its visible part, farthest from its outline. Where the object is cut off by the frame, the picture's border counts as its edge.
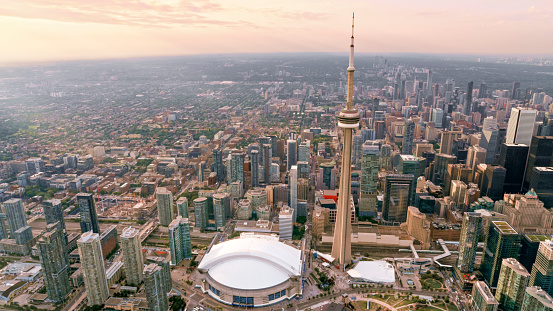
(121, 12)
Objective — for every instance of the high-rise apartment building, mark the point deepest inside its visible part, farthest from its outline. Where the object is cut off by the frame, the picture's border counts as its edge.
(156, 296)
(503, 242)
(468, 242)
(182, 207)
(536, 299)
(482, 298)
(521, 126)
(542, 270)
(89, 217)
(15, 214)
(286, 223)
(92, 265)
(200, 213)
(132, 255)
(254, 160)
(511, 286)
(237, 167)
(369, 179)
(179, 240)
(164, 206)
(219, 209)
(293, 182)
(218, 166)
(267, 163)
(53, 212)
(55, 262)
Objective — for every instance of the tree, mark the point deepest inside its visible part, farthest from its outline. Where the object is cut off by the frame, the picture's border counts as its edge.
(177, 303)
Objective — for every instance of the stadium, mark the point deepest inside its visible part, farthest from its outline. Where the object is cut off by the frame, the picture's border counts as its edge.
(253, 270)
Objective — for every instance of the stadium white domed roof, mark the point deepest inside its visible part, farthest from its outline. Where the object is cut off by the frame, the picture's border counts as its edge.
(252, 262)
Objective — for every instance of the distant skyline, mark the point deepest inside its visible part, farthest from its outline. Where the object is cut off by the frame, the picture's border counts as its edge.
(52, 30)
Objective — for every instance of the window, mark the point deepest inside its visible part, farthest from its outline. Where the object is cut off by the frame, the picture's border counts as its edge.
(214, 290)
(277, 295)
(242, 300)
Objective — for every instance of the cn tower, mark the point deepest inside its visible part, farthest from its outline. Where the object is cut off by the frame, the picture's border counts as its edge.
(348, 119)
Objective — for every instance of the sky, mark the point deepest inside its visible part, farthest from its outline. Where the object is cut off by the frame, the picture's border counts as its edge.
(51, 30)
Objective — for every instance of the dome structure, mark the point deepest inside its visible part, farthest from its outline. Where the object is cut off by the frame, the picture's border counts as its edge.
(253, 270)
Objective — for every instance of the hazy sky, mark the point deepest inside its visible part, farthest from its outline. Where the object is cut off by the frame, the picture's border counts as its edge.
(36, 30)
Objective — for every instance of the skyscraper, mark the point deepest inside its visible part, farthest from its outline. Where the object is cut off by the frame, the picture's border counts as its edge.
(304, 151)
(536, 299)
(515, 91)
(513, 158)
(493, 182)
(164, 206)
(179, 240)
(237, 167)
(408, 136)
(53, 212)
(292, 147)
(154, 287)
(542, 270)
(182, 207)
(132, 255)
(218, 166)
(468, 242)
(399, 192)
(369, 178)
(541, 155)
(503, 242)
(357, 151)
(429, 81)
(468, 105)
(254, 159)
(200, 213)
(92, 265)
(286, 223)
(219, 210)
(447, 139)
(511, 286)
(55, 262)
(89, 217)
(348, 119)
(267, 161)
(482, 298)
(294, 190)
(489, 139)
(521, 126)
(16, 215)
(540, 181)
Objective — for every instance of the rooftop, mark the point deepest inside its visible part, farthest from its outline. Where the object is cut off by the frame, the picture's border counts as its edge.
(504, 227)
(252, 262)
(537, 237)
